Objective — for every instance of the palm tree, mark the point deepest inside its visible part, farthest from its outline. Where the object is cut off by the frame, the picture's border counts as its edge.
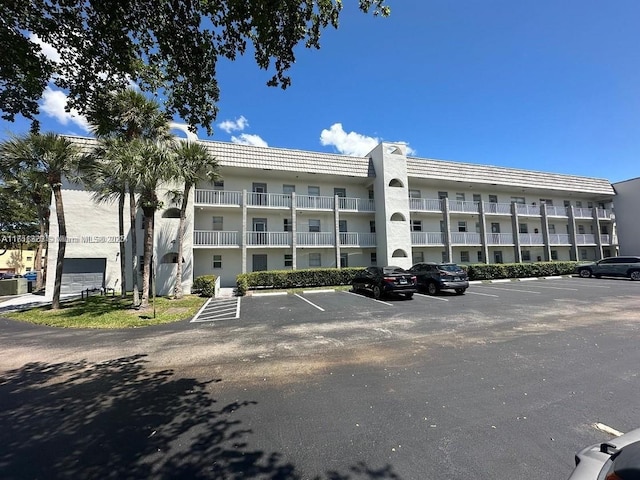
(127, 116)
(49, 158)
(193, 163)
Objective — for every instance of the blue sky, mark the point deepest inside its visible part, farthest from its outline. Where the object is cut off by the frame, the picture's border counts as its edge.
(547, 85)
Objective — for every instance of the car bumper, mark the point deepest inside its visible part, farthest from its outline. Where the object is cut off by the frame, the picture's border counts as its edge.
(400, 288)
(453, 285)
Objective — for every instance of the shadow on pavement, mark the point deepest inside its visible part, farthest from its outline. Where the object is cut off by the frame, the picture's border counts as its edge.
(116, 419)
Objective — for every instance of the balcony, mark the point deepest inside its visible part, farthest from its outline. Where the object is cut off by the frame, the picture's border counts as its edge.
(608, 239)
(348, 204)
(218, 197)
(499, 238)
(556, 211)
(425, 205)
(458, 206)
(531, 239)
(559, 239)
(268, 239)
(465, 238)
(268, 200)
(528, 210)
(604, 214)
(354, 239)
(586, 239)
(491, 208)
(583, 212)
(314, 202)
(202, 238)
(315, 239)
(427, 238)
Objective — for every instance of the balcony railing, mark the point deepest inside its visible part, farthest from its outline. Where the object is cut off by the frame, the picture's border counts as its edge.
(465, 238)
(608, 239)
(531, 239)
(314, 202)
(497, 208)
(354, 239)
(499, 239)
(605, 214)
(269, 239)
(316, 239)
(425, 205)
(586, 239)
(273, 200)
(218, 197)
(458, 206)
(427, 238)
(583, 212)
(527, 209)
(559, 239)
(356, 204)
(557, 211)
(215, 238)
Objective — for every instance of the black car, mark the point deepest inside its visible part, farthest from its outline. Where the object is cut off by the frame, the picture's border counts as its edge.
(611, 267)
(434, 277)
(384, 280)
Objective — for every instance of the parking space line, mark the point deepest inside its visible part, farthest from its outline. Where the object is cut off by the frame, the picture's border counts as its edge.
(483, 294)
(368, 298)
(309, 302)
(607, 429)
(510, 289)
(218, 309)
(558, 288)
(430, 297)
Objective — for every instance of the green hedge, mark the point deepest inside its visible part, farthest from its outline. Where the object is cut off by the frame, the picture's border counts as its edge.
(204, 285)
(317, 277)
(494, 271)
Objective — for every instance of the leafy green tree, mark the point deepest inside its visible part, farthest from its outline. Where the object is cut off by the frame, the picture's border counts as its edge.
(50, 158)
(193, 163)
(168, 47)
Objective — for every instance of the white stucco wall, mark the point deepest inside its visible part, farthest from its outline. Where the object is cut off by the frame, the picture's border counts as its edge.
(626, 205)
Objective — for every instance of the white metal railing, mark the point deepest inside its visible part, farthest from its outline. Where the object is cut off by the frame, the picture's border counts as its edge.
(217, 197)
(427, 238)
(272, 239)
(527, 209)
(425, 204)
(215, 238)
(606, 239)
(604, 213)
(497, 208)
(499, 239)
(556, 211)
(531, 239)
(314, 202)
(465, 238)
(356, 204)
(559, 239)
(464, 207)
(317, 239)
(583, 212)
(585, 239)
(355, 239)
(275, 200)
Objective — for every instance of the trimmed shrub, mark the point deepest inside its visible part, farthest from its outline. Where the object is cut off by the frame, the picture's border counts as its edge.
(282, 279)
(493, 271)
(204, 285)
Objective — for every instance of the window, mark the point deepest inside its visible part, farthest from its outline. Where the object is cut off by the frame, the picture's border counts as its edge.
(218, 185)
(493, 199)
(462, 226)
(315, 260)
(518, 200)
(464, 256)
(495, 228)
(477, 197)
(443, 195)
(313, 191)
(399, 253)
(479, 256)
(397, 217)
(344, 260)
(554, 255)
(370, 195)
(216, 224)
(416, 225)
(372, 226)
(342, 226)
(396, 183)
(581, 229)
(583, 254)
(552, 228)
(415, 193)
(288, 260)
(374, 258)
(418, 257)
(477, 227)
(29, 259)
(578, 204)
(442, 230)
(589, 204)
(287, 226)
(567, 204)
(217, 261)
(526, 255)
(604, 230)
(314, 226)
(546, 201)
(288, 189)
(523, 228)
(341, 192)
(460, 196)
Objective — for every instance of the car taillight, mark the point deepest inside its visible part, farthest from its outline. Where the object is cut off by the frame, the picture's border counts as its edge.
(389, 279)
(413, 279)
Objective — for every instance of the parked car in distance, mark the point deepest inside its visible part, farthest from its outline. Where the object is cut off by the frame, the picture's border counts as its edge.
(617, 459)
(611, 267)
(385, 280)
(6, 276)
(433, 277)
(31, 276)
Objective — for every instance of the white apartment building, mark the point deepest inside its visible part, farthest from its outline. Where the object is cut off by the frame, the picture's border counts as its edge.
(277, 208)
(627, 203)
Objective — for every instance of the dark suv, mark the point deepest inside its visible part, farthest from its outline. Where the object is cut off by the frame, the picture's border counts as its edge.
(434, 277)
(611, 267)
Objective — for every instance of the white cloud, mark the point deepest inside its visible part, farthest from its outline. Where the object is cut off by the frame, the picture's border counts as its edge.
(236, 125)
(351, 143)
(248, 139)
(53, 105)
(47, 49)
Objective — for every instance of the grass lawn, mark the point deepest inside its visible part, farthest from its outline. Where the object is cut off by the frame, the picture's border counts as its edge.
(111, 312)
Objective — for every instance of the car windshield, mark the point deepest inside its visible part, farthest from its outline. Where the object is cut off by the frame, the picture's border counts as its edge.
(390, 270)
(449, 267)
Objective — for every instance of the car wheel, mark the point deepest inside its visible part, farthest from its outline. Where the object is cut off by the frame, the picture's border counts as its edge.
(432, 288)
(635, 275)
(585, 273)
(409, 296)
(377, 292)
(460, 291)
(355, 287)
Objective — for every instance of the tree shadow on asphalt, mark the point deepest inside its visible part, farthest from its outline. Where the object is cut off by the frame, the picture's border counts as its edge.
(116, 420)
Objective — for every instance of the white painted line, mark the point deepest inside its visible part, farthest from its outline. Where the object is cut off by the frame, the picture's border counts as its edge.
(504, 280)
(553, 278)
(309, 302)
(201, 309)
(528, 279)
(368, 298)
(326, 290)
(559, 288)
(422, 295)
(268, 294)
(607, 429)
(512, 290)
(238, 308)
(483, 294)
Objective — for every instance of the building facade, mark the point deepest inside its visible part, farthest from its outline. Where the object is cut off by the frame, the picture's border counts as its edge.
(627, 201)
(289, 209)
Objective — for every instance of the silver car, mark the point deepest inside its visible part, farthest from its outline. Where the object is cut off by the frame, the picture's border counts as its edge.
(617, 459)
(611, 267)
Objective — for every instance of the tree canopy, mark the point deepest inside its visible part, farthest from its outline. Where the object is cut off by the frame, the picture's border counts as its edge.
(169, 47)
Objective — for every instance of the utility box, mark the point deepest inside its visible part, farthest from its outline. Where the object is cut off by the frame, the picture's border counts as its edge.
(14, 286)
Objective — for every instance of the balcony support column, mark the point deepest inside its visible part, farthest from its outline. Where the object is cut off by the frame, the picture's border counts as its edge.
(243, 233)
(596, 231)
(336, 227)
(483, 233)
(446, 216)
(294, 232)
(545, 233)
(573, 253)
(515, 226)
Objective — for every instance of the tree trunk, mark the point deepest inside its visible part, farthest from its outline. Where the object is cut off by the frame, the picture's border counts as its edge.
(177, 290)
(62, 245)
(134, 246)
(123, 264)
(37, 263)
(149, 214)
